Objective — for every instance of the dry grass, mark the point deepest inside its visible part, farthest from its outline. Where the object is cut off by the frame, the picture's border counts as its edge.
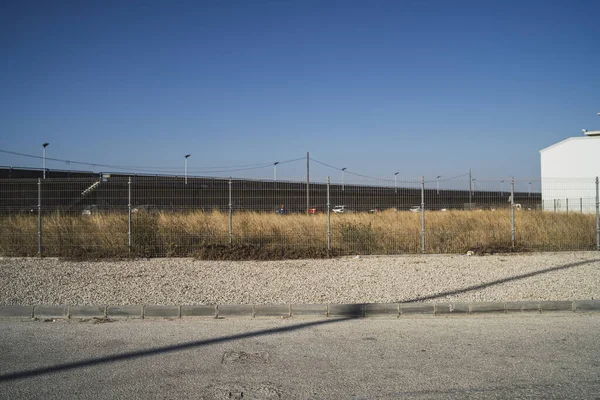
(270, 235)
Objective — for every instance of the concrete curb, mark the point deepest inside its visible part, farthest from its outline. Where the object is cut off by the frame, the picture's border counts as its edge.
(372, 310)
(273, 310)
(586, 305)
(162, 312)
(198, 311)
(16, 311)
(417, 308)
(125, 312)
(51, 312)
(87, 311)
(308, 310)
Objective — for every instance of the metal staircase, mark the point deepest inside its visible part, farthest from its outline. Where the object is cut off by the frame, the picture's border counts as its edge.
(94, 186)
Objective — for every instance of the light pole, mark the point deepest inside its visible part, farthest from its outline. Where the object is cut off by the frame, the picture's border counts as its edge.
(44, 158)
(395, 182)
(275, 171)
(343, 169)
(529, 190)
(186, 157)
(501, 188)
(438, 184)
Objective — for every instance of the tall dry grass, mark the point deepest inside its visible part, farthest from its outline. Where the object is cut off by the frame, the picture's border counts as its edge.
(190, 234)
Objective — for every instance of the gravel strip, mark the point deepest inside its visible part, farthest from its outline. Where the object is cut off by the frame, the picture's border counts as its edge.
(165, 281)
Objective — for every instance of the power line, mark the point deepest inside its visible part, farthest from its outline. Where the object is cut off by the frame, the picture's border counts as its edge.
(212, 169)
(449, 179)
(365, 176)
(346, 170)
(289, 161)
(325, 164)
(123, 166)
(205, 169)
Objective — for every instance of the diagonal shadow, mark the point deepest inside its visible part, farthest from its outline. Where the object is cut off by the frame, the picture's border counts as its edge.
(498, 282)
(352, 314)
(161, 350)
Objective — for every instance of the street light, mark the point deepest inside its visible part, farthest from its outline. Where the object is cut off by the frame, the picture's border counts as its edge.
(44, 157)
(501, 188)
(438, 184)
(275, 170)
(529, 189)
(343, 169)
(186, 157)
(395, 185)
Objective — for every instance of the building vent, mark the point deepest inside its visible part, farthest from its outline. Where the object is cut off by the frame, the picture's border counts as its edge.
(591, 133)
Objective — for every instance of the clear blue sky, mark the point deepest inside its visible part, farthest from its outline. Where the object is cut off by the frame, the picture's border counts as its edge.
(420, 87)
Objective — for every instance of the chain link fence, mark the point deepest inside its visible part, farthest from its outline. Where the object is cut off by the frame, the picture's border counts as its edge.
(150, 216)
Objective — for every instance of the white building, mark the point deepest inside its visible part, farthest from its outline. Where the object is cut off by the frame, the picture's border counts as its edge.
(569, 170)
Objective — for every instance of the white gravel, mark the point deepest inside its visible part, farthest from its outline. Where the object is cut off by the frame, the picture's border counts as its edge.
(342, 280)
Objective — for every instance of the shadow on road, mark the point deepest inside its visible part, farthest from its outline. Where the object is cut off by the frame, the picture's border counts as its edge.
(167, 349)
(497, 282)
(350, 314)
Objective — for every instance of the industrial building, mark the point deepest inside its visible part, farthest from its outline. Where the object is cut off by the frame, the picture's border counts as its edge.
(569, 169)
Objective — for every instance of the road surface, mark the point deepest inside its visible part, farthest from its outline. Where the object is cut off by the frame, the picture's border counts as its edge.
(489, 357)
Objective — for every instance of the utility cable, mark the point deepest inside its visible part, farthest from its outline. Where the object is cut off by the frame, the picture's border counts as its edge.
(215, 169)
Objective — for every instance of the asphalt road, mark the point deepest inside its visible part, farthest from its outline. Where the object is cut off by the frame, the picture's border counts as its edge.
(554, 356)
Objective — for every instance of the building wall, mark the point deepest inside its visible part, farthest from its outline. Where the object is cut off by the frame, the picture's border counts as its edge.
(569, 170)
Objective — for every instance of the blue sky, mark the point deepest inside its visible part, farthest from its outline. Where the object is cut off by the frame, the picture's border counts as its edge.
(419, 87)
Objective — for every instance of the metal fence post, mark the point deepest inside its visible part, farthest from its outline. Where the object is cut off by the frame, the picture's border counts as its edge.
(307, 184)
(581, 204)
(512, 212)
(230, 215)
(470, 191)
(597, 216)
(328, 218)
(39, 207)
(129, 215)
(554, 205)
(422, 215)
(567, 202)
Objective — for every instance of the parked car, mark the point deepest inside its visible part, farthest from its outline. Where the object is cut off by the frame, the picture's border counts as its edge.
(96, 209)
(340, 209)
(91, 210)
(415, 209)
(374, 210)
(313, 211)
(145, 208)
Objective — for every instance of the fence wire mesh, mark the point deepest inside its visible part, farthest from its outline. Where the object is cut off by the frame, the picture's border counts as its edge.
(373, 216)
(564, 218)
(150, 216)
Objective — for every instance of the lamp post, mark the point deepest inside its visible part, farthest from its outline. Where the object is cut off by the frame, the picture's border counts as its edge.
(529, 190)
(395, 182)
(275, 170)
(44, 158)
(186, 158)
(343, 169)
(438, 184)
(501, 188)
